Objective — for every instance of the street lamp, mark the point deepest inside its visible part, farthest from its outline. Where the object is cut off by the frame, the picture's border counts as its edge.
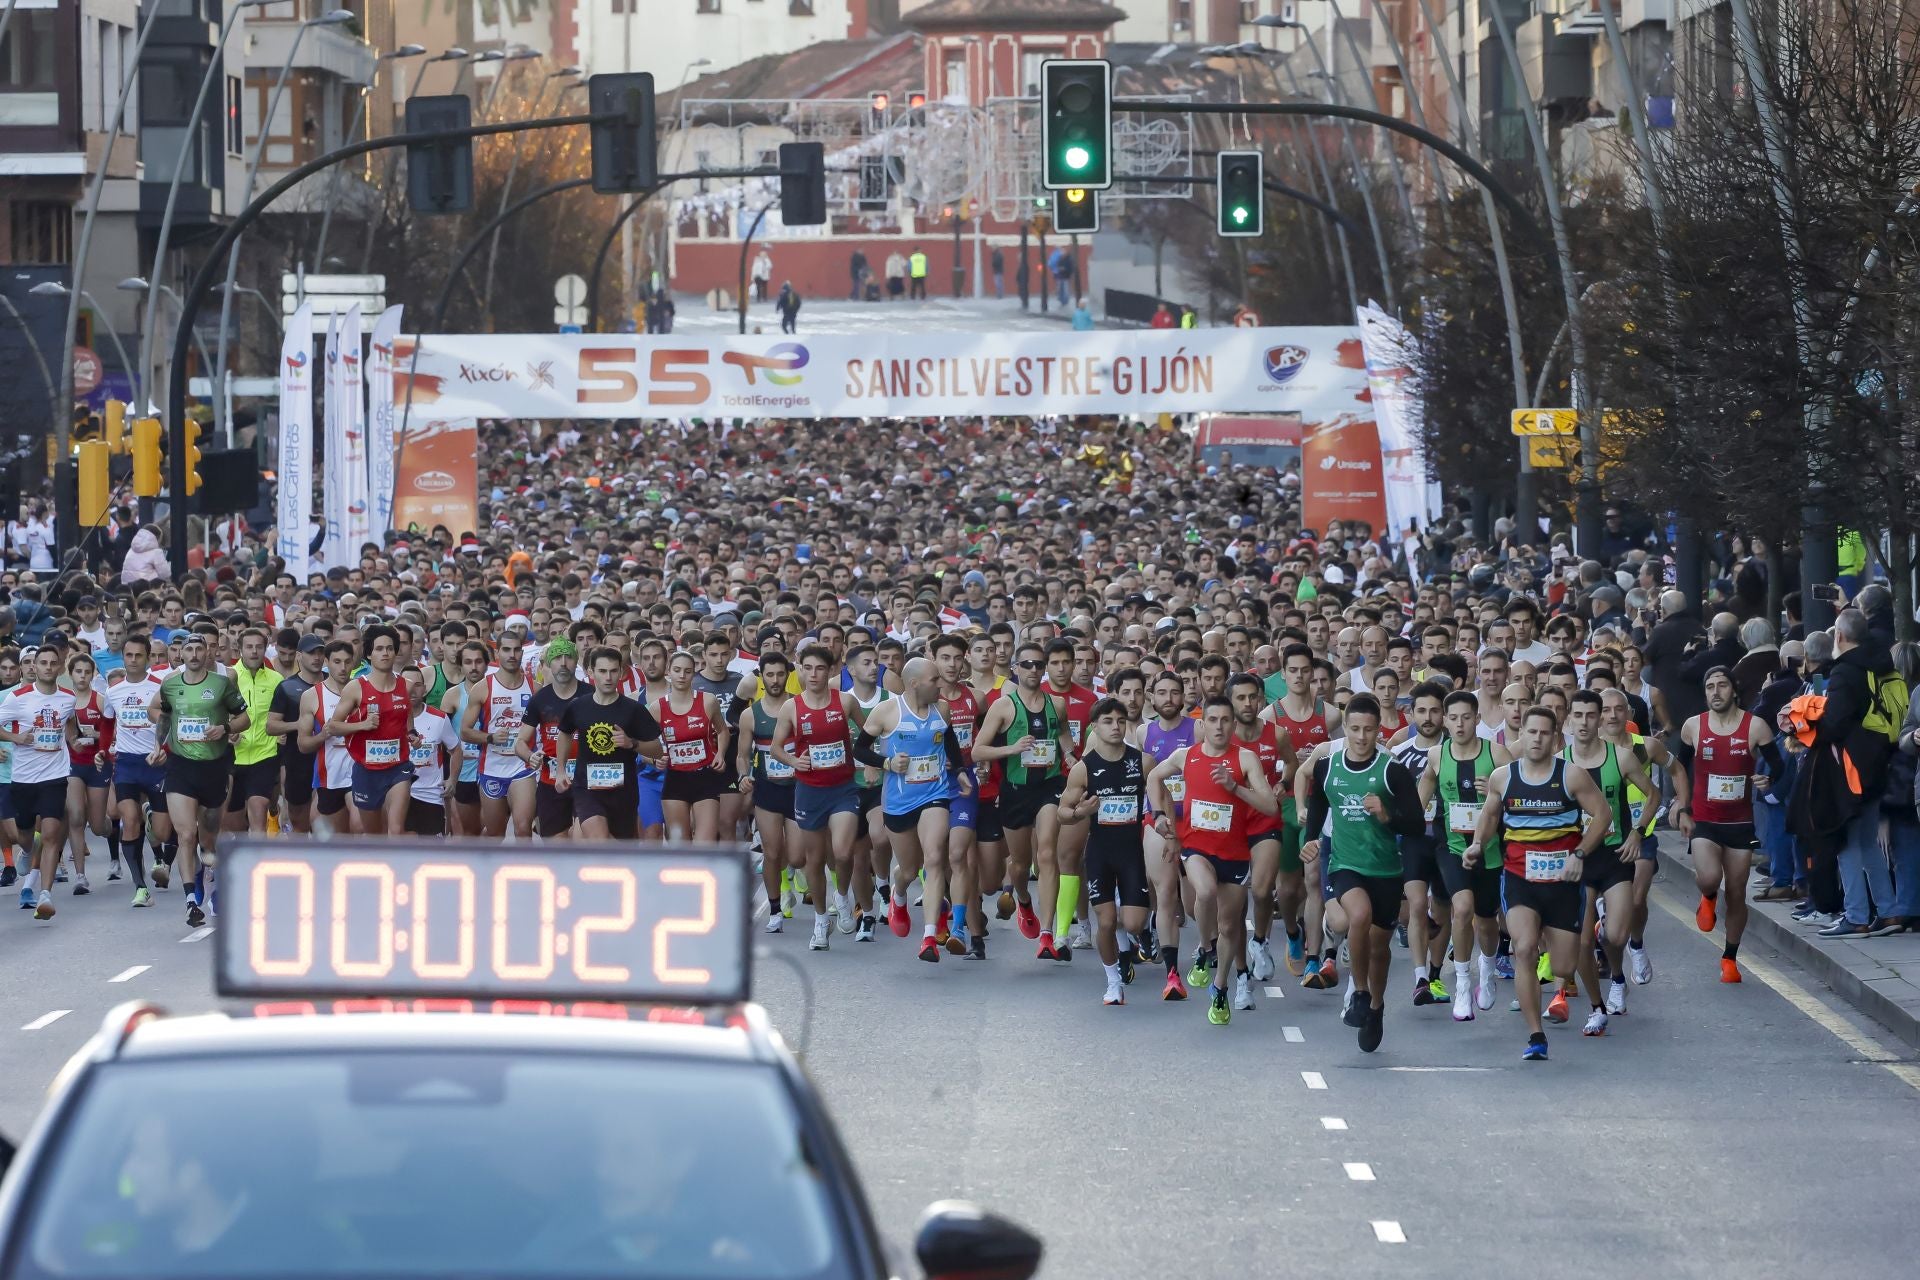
(500, 79)
(513, 169)
(332, 18)
(265, 302)
(359, 114)
(453, 53)
(489, 55)
(188, 146)
(54, 289)
(134, 284)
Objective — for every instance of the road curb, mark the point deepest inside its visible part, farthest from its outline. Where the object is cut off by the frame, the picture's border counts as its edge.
(1822, 964)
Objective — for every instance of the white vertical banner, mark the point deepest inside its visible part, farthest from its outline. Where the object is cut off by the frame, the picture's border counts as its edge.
(1412, 501)
(353, 412)
(294, 469)
(333, 552)
(380, 419)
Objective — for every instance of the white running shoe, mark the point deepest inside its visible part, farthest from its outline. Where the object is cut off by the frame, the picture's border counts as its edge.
(1116, 991)
(1616, 997)
(821, 930)
(1259, 960)
(81, 885)
(1489, 979)
(774, 921)
(1596, 1023)
(1243, 992)
(1640, 964)
(848, 918)
(1078, 938)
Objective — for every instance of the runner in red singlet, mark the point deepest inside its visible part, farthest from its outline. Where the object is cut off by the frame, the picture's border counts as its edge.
(1725, 741)
(374, 714)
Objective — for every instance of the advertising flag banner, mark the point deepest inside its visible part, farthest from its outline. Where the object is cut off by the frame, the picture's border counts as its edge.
(380, 442)
(1412, 501)
(353, 411)
(1340, 475)
(333, 549)
(436, 476)
(294, 496)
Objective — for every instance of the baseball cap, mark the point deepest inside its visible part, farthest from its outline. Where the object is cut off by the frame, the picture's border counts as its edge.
(311, 644)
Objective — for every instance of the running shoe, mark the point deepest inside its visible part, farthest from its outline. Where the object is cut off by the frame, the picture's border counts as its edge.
(1503, 965)
(1423, 992)
(1617, 997)
(1543, 968)
(1003, 906)
(1556, 1009)
(1729, 970)
(1296, 954)
(929, 950)
(113, 870)
(1243, 991)
(774, 921)
(26, 899)
(1705, 915)
(1217, 1012)
(160, 874)
(1489, 971)
(788, 897)
(1028, 922)
(196, 915)
(956, 942)
(898, 920)
(43, 909)
(799, 875)
(1259, 959)
(979, 942)
(847, 918)
(822, 930)
(1346, 954)
(1078, 939)
(1400, 936)
(1324, 977)
(1175, 989)
(1438, 989)
(1373, 1028)
(1354, 1014)
(1596, 1023)
(1063, 953)
(1197, 972)
(60, 872)
(865, 930)
(1147, 945)
(8, 877)
(1463, 1003)
(1046, 948)
(1127, 961)
(142, 897)
(1536, 1050)
(1116, 992)
(1640, 964)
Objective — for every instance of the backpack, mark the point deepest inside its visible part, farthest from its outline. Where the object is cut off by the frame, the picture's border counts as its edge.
(1888, 711)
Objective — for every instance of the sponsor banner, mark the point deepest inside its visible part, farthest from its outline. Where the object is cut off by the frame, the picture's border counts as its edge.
(380, 442)
(1315, 372)
(1223, 440)
(333, 549)
(294, 468)
(353, 408)
(1412, 500)
(1340, 474)
(436, 475)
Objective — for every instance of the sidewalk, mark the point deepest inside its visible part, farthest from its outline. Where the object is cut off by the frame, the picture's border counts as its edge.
(839, 316)
(1878, 976)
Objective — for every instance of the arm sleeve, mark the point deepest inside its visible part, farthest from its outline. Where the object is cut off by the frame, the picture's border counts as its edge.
(866, 749)
(1405, 813)
(955, 762)
(1770, 754)
(1317, 802)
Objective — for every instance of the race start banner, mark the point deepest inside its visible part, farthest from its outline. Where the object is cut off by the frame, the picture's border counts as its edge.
(1317, 373)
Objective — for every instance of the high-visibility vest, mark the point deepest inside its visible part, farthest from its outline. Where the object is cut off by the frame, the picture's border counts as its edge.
(917, 265)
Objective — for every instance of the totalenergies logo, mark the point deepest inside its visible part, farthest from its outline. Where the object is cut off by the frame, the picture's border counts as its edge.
(781, 363)
(296, 362)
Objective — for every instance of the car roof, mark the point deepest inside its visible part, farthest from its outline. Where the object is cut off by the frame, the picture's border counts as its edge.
(222, 1033)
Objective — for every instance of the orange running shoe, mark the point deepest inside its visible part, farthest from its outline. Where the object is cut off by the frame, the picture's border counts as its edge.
(1175, 988)
(1557, 1007)
(1729, 970)
(1705, 916)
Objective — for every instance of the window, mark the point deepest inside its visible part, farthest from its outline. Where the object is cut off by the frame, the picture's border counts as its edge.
(800, 8)
(1030, 60)
(236, 134)
(956, 77)
(706, 6)
(622, 6)
(1249, 10)
(28, 94)
(42, 230)
(1183, 14)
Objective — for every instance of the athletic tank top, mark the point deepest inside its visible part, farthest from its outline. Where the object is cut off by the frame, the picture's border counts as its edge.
(1304, 734)
(1414, 756)
(1215, 820)
(1357, 841)
(687, 736)
(1079, 700)
(333, 766)
(1040, 760)
(1539, 821)
(1267, 746)
(767, 771)
(502, 708)
(922, 739)
(469, 751)
(823, 735)
(1461, 792)
(866, 776)
(1606, 775)
(385, 745)
(1121, 788)
(1723, 766)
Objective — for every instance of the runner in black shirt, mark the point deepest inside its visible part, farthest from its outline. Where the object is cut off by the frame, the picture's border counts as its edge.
(605, 731)
(283, 721)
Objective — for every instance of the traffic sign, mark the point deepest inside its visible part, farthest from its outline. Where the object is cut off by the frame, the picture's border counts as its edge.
(87, 371)
(1546, 422)
(570, 291)
(1552, 451)
(570, 319)
(1246, 318)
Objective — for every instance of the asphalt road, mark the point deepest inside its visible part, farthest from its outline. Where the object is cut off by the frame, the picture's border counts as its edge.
(1715, 1131)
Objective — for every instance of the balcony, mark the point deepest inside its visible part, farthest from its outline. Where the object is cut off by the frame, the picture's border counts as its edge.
(1634, 13)
(329, 50)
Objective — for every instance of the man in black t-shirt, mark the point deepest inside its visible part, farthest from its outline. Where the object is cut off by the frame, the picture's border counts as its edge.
(605, 731)
(283, 721)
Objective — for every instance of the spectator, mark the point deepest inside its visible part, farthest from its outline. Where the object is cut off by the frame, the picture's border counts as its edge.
(999, 268)
(1761, 662)
(857, 268)
(1606, 607)
(1861, 664)
(1876, 601)
(1082, 316)
(1615, 541)
(917, 274)
(1188, 320)
(788, 305)
(1162, 317)
(1667, 645)
(1786, 877)
(30, 618)
(762, 274)
(896, 276)
(1900, 811)
(145, 561)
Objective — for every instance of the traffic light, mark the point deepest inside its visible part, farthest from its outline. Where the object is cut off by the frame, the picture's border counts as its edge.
(803, 184)
(146, 457)
(193, 458)
(113, 429)
(440, 174)
(95, 489)
(1076, 211)
(625, 151)
(1242, 194)
(917, 107)
(877, 112)
(1076, 124)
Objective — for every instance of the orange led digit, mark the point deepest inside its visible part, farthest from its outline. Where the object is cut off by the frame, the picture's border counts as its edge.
(259, 956)
(503, 880)
(667, 929)
(462, 964)
(343, 877)
(617, 922)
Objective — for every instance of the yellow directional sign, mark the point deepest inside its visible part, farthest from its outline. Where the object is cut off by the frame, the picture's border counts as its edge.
(1552, 451)
(1545, 422)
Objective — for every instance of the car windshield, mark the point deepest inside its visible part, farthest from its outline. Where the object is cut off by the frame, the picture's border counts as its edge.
(407, 1165)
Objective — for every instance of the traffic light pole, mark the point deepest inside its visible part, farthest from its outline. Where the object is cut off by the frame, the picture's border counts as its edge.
(468, 250)
(214, 263)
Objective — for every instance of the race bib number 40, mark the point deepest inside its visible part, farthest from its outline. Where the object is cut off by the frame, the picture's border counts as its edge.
(1211, 815)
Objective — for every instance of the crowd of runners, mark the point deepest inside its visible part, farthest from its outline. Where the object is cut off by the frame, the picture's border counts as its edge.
(1039, 687)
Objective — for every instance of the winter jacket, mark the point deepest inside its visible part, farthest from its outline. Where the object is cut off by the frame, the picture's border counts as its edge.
(145, 561)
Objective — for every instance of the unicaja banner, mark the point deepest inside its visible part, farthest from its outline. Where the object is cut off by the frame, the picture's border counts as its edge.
(436, 476)
(294, 497)
(1315, 372)
(380, 419)
(333, 549)
(353, 410)
(1340, 475)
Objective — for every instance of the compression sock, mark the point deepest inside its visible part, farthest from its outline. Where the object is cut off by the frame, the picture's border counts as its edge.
(6, 856)
(1731, 951)
(113, 846)
(199, 884)
(1064, 907)
(959, 917)
(1170, 956)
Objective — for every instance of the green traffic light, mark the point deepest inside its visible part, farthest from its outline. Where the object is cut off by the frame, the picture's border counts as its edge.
(1077, 158)
(1240, 213)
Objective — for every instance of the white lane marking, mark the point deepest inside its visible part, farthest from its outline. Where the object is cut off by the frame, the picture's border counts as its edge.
(1293, 1035)
(203, 931)
(1275, 993)
(1313, 1079)
(1359, 1171)
(129, 974)
(46, 1019)
(1334, 1123)
(1389, 1233)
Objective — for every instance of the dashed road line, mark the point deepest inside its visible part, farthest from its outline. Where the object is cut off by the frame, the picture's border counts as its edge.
(1292, 1035)
(1275, 993)
(204, 931)
(1389, 1233)
(1334, 1123)
(130, 973)
(1359, 1171)
(46, 1020)
(1313, 1079)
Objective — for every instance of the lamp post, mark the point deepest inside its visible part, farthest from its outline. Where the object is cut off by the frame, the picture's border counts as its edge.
(453, 53)
(359, 114)
(54, 289)
(513, 169)
(187, 147)
(135, 284)
(266, 303)
(332, 18)
(500, 78)
(486, 55)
